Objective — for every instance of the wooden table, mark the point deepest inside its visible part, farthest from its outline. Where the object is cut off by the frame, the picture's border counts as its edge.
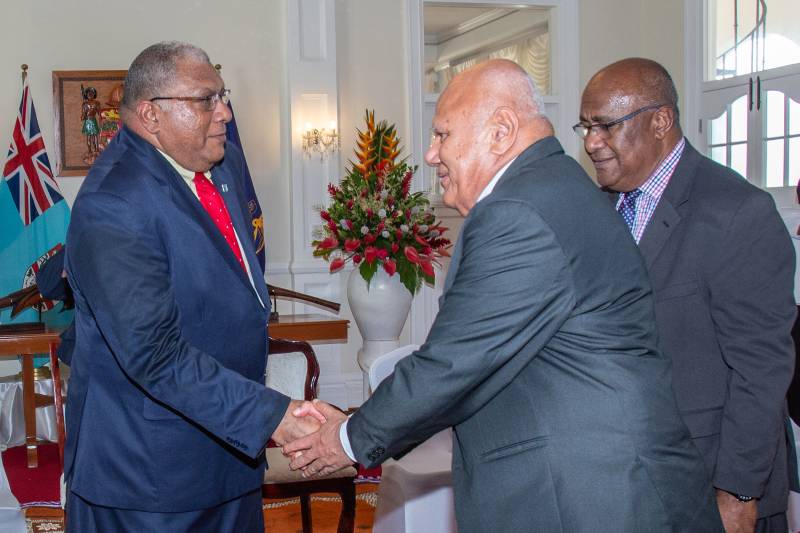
(28, 345)
(311, 328)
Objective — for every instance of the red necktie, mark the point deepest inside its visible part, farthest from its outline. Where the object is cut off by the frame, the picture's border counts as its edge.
(215, 206)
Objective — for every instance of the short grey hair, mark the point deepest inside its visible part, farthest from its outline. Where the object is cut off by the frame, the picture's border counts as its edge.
(154, 68)
(536, 96)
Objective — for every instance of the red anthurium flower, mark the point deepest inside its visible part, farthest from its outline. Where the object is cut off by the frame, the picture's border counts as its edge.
(426, 267)
(380, 227)
(395, 247)
(398, 234)
(390, 267)
(332, 225)
(356, 259)
(427, 250)
(351, 245)
(382, 254)
(324, 215)
(370, 253)
(369, 212)
(420, 240)
(411, 254)
(329, 243)
(337, 264)
(369, 238)
(348, 223)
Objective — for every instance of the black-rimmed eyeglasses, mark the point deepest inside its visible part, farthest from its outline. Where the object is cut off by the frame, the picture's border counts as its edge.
(208, 103)
(601, 128)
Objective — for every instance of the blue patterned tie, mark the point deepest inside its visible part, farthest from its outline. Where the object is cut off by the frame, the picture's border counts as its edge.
(627, 207)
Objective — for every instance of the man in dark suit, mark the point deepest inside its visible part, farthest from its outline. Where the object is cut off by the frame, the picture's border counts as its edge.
(167, 413)
(722, 266)
(543, 354)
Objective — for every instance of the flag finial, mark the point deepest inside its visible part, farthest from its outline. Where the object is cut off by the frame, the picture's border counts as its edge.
(24, 68)
(218, 67)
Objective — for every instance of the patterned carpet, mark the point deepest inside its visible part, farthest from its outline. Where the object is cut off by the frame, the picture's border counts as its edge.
(282, 516)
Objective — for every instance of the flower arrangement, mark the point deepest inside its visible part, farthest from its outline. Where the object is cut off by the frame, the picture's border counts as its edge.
(374, 220)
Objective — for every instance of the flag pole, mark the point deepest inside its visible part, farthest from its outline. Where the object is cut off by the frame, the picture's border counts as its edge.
(24, 68)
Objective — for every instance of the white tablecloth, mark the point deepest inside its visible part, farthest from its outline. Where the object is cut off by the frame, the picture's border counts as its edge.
(11, 517)
(12, 419)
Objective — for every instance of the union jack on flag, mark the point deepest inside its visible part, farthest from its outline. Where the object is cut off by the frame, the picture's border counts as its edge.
(27, 169)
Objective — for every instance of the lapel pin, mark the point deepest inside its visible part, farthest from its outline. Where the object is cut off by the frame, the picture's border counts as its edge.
(224, 187)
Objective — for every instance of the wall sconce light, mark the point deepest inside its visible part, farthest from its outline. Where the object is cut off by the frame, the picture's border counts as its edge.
(321, 141)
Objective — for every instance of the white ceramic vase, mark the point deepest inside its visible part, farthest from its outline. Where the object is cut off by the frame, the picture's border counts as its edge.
(380, 311)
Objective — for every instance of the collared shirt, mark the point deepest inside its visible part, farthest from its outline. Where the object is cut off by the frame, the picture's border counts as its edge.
(345, 440)
(652, 189)
(490, 186)
(188, 178)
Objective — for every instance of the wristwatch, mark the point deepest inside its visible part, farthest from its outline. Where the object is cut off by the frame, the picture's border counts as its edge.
(742, 498)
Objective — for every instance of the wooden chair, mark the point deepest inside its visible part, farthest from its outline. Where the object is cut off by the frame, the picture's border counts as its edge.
(292, 368)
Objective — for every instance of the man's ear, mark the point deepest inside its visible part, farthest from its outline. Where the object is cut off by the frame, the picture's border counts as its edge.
(505, 127)
(148, 115)
(663, 121)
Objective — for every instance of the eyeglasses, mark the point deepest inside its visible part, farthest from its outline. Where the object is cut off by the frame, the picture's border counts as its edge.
(208, 103)
(601, 129)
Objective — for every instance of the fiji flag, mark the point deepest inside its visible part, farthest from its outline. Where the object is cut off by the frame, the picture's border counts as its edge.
(257, 219)
(33, 213)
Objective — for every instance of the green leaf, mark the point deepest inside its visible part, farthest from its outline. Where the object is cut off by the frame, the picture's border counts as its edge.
(408, 275)
(368, 271)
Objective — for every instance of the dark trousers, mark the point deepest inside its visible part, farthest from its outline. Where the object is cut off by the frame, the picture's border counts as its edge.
(242, 515)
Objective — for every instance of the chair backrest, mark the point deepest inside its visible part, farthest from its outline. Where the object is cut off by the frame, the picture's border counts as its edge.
(292, 368)
(383, 366)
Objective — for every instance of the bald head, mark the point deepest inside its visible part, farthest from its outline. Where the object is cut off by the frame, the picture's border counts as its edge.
(641, 80)
(485, 117)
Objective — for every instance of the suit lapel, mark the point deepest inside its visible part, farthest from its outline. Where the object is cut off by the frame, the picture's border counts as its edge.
(223, 180)
(185, 201)
(671, 208)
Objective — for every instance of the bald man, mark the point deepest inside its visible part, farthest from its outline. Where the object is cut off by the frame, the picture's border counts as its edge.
(722, 267)
(543, 355)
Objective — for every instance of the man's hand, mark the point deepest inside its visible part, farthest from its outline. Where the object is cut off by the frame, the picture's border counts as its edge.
(293, 427)
(737, 517)
(320, 453)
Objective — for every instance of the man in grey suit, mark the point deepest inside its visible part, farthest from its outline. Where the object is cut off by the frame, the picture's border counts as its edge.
(721, 264)
(543, 355)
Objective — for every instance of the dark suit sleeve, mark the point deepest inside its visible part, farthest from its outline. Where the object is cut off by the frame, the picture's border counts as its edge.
(752, 306)
(511, 293)
(121, 267)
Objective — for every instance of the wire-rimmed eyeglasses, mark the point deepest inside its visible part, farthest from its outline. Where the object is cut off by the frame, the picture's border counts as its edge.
(601, 128)
(208, 103)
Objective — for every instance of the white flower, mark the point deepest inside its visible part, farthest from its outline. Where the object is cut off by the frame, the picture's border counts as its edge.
(343, 223)
(364, 230)
(382, 213)
(384, 194)
(385, 234)
(423, 228)
(404, 228)
(435, 233)
(415, 209)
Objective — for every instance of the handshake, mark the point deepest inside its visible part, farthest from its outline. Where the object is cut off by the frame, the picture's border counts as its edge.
(309, 435)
